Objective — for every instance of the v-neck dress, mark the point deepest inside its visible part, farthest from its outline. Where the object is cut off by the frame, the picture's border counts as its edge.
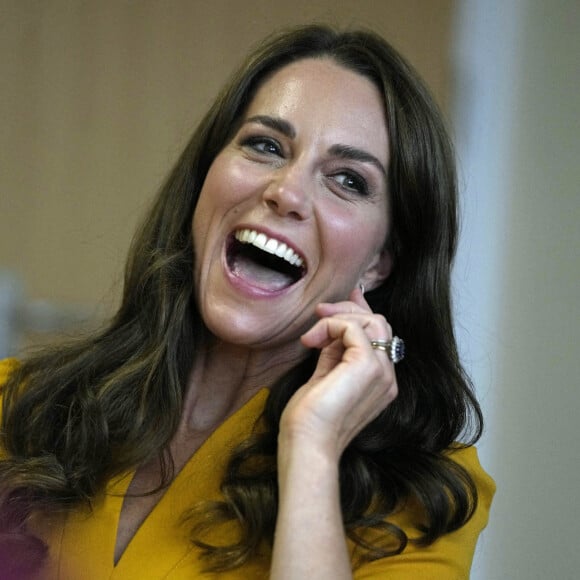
(82, 543)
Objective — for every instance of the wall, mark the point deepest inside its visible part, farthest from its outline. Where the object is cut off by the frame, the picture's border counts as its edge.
(518, 274)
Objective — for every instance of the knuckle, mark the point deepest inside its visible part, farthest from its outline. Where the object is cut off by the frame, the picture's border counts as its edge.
(383, 322)
(382, 319)
(376, 370)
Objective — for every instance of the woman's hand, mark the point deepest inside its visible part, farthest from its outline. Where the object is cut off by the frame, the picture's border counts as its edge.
(352, 382)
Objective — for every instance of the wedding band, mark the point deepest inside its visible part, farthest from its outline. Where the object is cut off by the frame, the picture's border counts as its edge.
(395, 348)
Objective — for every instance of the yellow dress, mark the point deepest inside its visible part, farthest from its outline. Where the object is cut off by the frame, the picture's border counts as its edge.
(82, 543)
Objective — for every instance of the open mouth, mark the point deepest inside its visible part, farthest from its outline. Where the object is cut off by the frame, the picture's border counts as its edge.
(264, 262)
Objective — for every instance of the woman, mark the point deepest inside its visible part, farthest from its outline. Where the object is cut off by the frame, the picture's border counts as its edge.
(313, 209)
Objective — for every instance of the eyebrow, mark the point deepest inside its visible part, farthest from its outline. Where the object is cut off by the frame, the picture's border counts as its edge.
(340, 151)
(275, 123)
(348, 152)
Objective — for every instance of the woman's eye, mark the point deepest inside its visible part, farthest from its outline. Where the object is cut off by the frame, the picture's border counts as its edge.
(351, 182)
(264, 145)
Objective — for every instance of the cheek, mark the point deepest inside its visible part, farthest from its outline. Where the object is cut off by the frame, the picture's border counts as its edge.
(199, 228)
(353, 238)
(229, 185)
(213, 200)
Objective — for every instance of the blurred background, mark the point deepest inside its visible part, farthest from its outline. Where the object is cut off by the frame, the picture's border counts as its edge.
(97, 98)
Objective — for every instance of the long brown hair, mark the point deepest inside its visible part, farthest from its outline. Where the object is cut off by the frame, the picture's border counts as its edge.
(75, 416)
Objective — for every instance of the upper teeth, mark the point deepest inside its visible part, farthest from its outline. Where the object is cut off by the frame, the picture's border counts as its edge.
(270, 245)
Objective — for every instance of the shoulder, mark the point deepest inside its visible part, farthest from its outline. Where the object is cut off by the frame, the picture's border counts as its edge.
(7, 367)
(468, 458)
(450, 556)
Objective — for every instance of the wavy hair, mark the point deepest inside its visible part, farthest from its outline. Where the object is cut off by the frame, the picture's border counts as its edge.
(76, 415)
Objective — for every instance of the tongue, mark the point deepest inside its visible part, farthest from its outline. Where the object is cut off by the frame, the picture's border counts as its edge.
(259, 275)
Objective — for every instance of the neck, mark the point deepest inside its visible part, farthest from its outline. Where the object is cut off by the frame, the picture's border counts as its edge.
(225, 376)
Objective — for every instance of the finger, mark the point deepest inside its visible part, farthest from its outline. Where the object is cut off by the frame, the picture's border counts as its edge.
(330, 357)
(330, 340)
(345, 344)
(375, 326)
(357, 296)
(359, 328)
(356, 303)
(347, 357)
(327, 330)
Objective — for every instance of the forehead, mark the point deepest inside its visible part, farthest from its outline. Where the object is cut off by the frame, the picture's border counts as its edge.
(320, 95)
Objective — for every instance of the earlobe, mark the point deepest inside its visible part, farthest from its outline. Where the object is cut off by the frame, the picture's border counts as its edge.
(378, 271)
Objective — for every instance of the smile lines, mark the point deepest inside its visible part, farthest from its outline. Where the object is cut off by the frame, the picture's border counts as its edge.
(269, 245)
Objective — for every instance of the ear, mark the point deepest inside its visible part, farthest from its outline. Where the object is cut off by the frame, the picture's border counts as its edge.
(378, 270)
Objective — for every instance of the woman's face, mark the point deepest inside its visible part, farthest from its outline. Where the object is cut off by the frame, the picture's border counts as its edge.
(294, 210)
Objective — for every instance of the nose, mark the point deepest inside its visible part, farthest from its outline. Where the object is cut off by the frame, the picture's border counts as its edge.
(288, 194)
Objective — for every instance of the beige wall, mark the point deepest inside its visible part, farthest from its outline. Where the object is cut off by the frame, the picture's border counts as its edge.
(98, 97)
